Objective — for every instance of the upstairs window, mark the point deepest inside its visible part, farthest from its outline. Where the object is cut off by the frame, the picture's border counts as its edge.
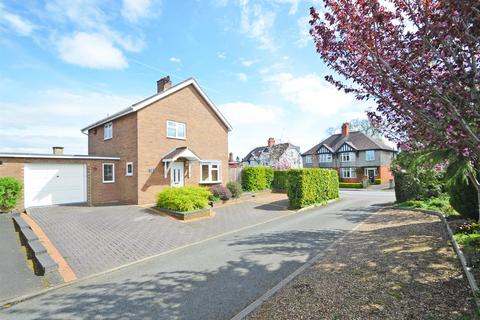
(308, 159)
(347, 156)
(108, 131)
(370, 155)
(176, 130)
(325, 157)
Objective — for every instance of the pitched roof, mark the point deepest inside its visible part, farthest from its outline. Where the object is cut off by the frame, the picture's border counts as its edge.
(156, 97)
(274, 152)
(356, 139)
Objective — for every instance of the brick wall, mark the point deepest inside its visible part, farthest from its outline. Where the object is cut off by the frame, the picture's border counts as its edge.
(206, 136)
(123, 145)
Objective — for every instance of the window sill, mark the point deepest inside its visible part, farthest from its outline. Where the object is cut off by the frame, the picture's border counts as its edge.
(108, 181)
(129, 175)
(105, 139)
(176, 138)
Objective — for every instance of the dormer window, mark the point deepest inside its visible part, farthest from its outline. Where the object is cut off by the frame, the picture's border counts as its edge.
(176, 130)
(108, 131)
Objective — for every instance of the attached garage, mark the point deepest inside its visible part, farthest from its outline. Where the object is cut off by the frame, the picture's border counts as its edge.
(54, 183)
(54, 179)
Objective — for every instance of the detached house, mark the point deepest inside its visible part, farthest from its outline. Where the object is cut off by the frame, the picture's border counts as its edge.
(354, 155)
(281, 155)
(175, 137)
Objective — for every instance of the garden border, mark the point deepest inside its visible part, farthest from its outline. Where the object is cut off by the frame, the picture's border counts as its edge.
(466, 269)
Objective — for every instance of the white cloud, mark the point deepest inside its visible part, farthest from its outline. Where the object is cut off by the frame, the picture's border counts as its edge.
(304, 36)
(240, 113)
(248, 62)
(92, 50)
(310, 93)
(55, 117)
(133, 10)
(221, 55)
(15, 22)
(257, 24)
(174, 60)
(242, 76)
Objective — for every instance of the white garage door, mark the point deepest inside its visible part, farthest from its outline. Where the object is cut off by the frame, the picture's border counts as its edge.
(47, 184)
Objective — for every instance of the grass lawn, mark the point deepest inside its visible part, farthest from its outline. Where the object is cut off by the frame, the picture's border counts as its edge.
(440, 204)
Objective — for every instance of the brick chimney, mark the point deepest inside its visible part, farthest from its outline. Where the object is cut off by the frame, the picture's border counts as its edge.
(230, 157)
(58, 151)
(163, 84)
(271, 142)
(345, 129)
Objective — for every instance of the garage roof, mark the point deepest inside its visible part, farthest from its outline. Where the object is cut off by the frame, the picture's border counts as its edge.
(52, 156)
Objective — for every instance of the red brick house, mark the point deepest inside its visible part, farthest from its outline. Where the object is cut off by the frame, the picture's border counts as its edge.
(354, 155)
(176, 137)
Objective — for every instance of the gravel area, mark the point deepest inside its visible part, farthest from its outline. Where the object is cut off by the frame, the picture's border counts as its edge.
(399, 264)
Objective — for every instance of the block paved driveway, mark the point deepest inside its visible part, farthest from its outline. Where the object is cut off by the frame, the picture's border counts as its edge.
(95, 239)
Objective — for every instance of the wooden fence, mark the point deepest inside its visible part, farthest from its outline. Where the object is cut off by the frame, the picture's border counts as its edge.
(235, 174)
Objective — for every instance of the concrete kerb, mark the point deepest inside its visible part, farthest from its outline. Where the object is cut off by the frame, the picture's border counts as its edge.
(466, 269)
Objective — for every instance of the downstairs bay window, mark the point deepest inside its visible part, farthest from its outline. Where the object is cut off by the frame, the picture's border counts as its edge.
(210, 172)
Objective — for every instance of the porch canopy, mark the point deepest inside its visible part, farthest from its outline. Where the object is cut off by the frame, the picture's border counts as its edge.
(176, 154)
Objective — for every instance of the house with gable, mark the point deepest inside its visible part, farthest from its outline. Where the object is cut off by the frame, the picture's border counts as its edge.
(354, 155)
(279, 156)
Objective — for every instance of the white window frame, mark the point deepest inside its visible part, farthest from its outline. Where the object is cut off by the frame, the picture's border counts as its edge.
(210, 164)
(321, 157)
(108, 128)
(351, 157)
(127, 173)
(308, 159)
(370, 155)
(174, 125)
(113, 172)
(352, 173)
(375, 172)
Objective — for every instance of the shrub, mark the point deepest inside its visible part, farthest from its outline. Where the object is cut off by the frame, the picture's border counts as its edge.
(353, 185)
(280, 180)
(440, 204)
(10, 193)
(311, 186)
(257, 178)
(183, 199)
(416, 181)
(377, 181)
(235, 188)
(464, 198)
(223, 193)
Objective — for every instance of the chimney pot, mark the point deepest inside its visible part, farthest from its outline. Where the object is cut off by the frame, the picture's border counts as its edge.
(345, 129)
(163, 84)
(230, 157)
(58, 151)
(271, 142)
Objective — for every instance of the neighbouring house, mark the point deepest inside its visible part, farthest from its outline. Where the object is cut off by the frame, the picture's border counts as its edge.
(354, 155)
(175, 137)
(279, 156)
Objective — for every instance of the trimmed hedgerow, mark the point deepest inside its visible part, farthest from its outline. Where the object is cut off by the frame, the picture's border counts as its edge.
(257, 178)
(10, 193)
(377, 181)
(311, 186)
(353, 185)
(280, 180)
(183, 199)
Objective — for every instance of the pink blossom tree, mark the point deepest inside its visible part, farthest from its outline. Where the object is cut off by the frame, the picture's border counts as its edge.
(418, 60)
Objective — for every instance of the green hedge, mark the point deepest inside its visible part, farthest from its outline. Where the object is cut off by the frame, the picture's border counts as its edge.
(354, 185)
(377, 181)
(10, 193)
(464, 198)
(183, 199)
(257, 178)
(406, 187)
(280, 180)
(311, 186)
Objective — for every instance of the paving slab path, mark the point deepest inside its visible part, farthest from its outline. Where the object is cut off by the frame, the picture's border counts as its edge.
(397, 265)
(16, 278)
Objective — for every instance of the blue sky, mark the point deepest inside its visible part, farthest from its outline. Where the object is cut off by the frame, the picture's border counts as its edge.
(65, 64)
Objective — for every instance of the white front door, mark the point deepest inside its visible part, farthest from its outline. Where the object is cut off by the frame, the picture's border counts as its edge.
(177, 174)
(52, 183)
